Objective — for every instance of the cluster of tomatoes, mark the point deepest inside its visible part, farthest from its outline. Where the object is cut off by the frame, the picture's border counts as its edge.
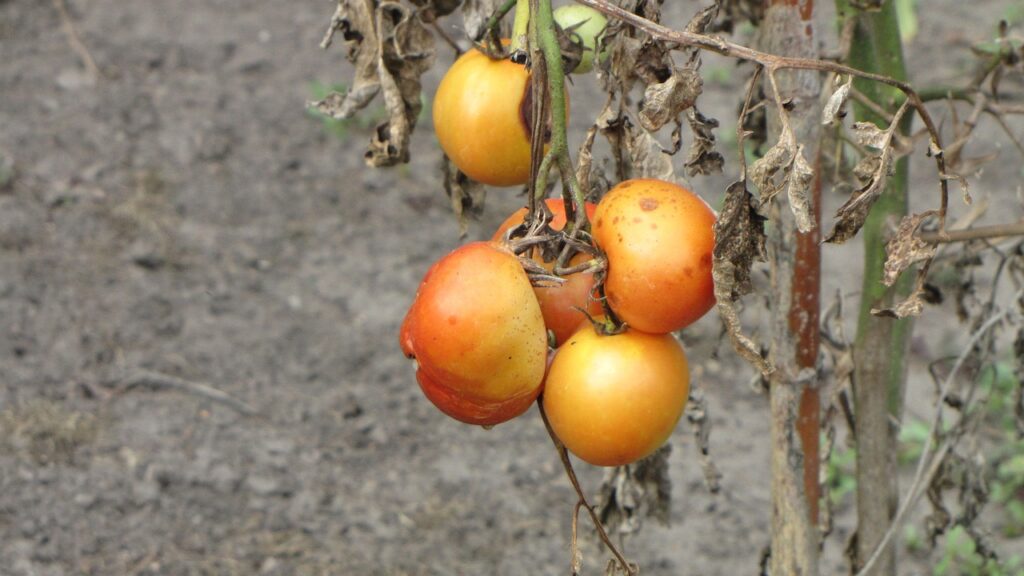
(480, 331)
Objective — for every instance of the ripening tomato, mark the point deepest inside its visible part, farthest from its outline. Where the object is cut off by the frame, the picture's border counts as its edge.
(560, 304)
(658, 237)
(614, 399)
(477, 334)
(481, 117)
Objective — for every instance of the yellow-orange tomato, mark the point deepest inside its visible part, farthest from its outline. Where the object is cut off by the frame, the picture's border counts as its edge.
(658, 238)
(615, 399)
(478, 336)
(560, 304)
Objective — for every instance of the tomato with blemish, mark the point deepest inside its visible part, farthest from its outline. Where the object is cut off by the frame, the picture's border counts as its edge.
(659, 238)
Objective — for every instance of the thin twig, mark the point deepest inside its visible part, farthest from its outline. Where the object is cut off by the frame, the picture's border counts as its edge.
(929, 460)
(158, 381)
(74, 41)
(996, 231)
(446, 37)
(563, 454)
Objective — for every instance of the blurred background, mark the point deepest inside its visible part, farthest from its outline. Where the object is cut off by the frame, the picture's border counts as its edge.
(200, 290)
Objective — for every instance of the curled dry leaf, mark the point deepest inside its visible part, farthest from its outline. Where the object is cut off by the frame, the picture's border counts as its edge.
(665, 101)
(784, 166)
(475, 14)
(390, 48)
(739, 242)
(631, 493)
(835, 102)
(467, 195)
(905, 248)
(911, 306)
(697, 416)
(873, 171)
(703, 158)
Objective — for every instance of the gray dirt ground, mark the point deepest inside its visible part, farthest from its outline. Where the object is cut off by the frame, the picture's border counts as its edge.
(185, 215)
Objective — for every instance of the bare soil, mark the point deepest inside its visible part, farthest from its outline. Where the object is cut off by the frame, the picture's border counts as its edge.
(183, 214)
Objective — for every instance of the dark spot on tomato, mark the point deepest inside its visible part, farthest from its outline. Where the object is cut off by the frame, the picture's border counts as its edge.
(688, 272)
(636, 220)
(616, 220)
(654, 226)
(648, 204)
(705, 260)
(453, 320)
(600, 221)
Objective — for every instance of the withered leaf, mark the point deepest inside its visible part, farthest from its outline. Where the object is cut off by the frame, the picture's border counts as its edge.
(911, 306)
(665, 101)
(873, 171)
(836, 101)
(798, 188)
(867, 134)
(390, 48)
(703, 158)
(905, 248)
(763, 172)
(702, 19)
(475, 14)
(467, 195)
(739, 242)
(636, 491)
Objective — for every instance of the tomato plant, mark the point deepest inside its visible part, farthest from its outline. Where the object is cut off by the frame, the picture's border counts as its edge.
(561, 304)
(615, 399)
(481, 118)
(477, 334)
(658, 237)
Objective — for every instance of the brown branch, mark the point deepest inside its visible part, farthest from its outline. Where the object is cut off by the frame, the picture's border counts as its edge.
(563, 454)
(996, 231)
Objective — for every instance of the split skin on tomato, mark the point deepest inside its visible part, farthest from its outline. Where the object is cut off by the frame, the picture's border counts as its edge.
(560, 304)
(613, 400)
(658, 238)
(483, 118)
(477, 333)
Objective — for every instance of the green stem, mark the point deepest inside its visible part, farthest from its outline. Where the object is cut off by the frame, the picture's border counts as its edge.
(490, 30)
(520, 25)
(881, 343)
(543, 33)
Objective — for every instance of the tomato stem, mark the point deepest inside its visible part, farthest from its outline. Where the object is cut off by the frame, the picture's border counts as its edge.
(563, 455)
(520, 26)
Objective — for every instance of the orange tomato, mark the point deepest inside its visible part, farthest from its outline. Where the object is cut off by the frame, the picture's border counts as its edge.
(560, 304)
(614, 399)
(476, 331)
(481, 113)
(658, 238)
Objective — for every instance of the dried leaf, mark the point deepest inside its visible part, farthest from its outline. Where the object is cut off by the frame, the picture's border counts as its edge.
(702, 19)
(631, 493)
(798, 189)
(390, 48)
(703, 158)
(912, 306)
(665, 101)
(836, 101)
(763, 172)
(697, 416)
(467, 195)
(874, 171)
(475, 14)
(739, 242)
(905, 248)
(867, 134)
